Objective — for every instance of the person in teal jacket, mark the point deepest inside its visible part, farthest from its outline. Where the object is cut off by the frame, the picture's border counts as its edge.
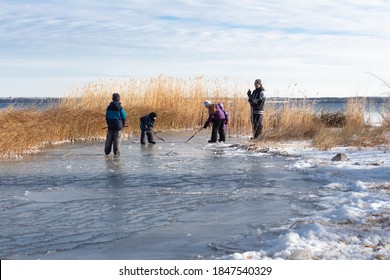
(116, 120)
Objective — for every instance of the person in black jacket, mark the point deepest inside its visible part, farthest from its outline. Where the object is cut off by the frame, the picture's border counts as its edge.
(146, 125)
(116, 120)
(257, 99)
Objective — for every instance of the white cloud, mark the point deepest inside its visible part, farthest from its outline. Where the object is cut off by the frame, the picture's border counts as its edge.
(302, 42)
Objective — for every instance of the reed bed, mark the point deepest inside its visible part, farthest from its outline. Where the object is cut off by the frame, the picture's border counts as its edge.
(295, 119)
(179, 105)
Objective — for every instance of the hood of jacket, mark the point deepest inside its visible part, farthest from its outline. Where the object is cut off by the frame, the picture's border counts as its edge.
(114, 106)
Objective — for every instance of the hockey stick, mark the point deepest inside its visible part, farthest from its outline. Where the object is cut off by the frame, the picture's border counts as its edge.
(155, 134)
(107, 127)
(193, 135)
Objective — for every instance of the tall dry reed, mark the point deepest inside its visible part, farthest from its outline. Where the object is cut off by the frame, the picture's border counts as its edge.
(295, 119)
(179, 104)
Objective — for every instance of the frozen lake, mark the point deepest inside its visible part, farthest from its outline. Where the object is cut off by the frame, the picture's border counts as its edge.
(172, 200)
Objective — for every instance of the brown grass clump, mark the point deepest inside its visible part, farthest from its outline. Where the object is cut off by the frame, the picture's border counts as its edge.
(294, 120)
(354, 132)
(179, 104)
(337, 119)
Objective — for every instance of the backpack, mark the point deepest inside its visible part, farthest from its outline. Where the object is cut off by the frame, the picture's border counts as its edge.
(220, 106)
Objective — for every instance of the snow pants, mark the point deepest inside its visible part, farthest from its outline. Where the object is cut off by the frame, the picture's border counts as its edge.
(218, 128)
(148, 134)
(257, 125)
(113, 139)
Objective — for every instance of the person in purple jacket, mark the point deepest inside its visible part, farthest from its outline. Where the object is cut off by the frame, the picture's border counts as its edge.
(217, 117)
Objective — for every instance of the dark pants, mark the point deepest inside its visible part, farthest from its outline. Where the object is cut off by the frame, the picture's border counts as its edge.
(257, 124)
(147, 133)
(218, 128)
(113, 139)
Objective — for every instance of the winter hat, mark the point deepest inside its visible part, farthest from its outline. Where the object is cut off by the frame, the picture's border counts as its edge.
(116, 97)
(258, 81)
(153, 115)
(207, 103)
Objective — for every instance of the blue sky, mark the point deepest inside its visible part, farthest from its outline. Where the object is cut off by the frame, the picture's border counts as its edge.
(312, 48)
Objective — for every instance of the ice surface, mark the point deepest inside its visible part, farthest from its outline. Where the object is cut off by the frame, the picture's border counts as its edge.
(177, 200)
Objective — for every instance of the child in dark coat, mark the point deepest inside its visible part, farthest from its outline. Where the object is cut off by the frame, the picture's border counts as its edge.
(147, 123)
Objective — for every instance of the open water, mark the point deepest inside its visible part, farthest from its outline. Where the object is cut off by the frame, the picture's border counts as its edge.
(172, 200)
(374, 105)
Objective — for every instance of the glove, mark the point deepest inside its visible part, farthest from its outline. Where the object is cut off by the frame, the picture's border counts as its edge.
(249, 93)
(205, 125)
(250, 100)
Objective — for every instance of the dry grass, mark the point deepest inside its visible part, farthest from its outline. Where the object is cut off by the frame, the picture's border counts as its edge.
(179, 104)
(354, 131)
(296, 119)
